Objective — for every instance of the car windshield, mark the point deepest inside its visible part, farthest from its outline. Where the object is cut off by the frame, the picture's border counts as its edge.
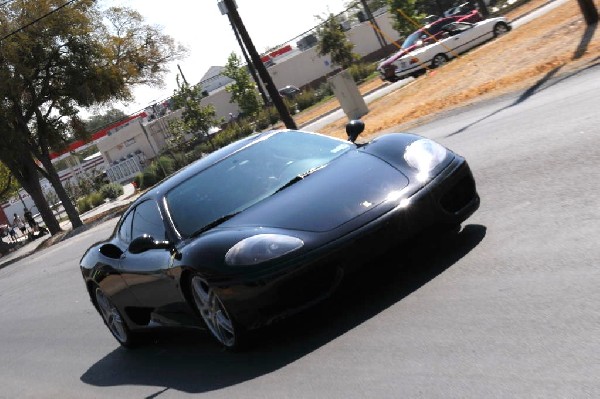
(249, 176)
(412, 39)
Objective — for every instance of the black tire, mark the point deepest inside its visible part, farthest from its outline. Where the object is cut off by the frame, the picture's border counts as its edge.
(114, 321)
(500, 29)
(439, 60)
(221, 326)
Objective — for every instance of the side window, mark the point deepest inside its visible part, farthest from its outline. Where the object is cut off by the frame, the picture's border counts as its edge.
(147, 220)
(125, 229)
(435, 29)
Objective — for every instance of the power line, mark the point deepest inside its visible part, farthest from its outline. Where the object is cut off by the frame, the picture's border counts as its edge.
(22, 28)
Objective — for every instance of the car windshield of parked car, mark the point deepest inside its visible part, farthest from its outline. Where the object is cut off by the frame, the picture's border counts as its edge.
(412, 39)
(247, 177)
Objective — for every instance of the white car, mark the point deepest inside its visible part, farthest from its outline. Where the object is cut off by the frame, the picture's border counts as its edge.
(458, 38)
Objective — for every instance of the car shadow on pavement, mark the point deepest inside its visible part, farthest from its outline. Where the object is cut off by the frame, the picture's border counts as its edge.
(542, 84)
(189, 360)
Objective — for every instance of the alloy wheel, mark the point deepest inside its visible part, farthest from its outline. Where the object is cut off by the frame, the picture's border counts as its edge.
(213, 312)
(500, 29)
(439, 60)
(112, 318)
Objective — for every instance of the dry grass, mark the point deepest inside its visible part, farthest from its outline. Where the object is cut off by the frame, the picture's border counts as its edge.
(551, 44)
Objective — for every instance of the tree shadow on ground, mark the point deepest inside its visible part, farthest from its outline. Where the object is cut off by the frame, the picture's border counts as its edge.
(541, 84)
(189, 360)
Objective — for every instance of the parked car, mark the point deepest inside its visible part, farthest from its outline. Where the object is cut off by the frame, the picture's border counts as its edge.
(267, 226)
(455, 38)
(428, 34)
(289, 91)
(461, 9)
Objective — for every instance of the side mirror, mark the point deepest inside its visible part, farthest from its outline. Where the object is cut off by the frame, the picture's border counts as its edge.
(354, 128)
(145, 243)
(111, 251)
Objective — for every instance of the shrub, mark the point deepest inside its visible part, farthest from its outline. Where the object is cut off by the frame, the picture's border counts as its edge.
(96, 198)
(83, 204)
(149, 178)
(180, 160)
(361, 71)
(139, 180)
(306, 99)
(324, 90)
(163, 166)
(111, 190)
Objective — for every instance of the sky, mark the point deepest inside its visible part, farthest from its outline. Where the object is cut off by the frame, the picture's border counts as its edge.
(199, 26)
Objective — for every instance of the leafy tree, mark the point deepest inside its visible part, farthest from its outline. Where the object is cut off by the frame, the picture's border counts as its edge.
(196, 118)
(8, 184)
(72, 57)
(407, 21)
(333, 41)
(243, 90)
(98, 121)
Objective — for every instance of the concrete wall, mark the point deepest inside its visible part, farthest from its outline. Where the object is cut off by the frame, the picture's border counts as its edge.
(220, 100)
(303, 67)
(124, 142)
(363, 35)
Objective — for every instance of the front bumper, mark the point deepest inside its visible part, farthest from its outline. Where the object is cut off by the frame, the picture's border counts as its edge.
(448, 199)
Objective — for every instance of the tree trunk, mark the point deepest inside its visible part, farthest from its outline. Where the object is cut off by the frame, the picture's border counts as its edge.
(24, 169)
(52, 175)
(67, 204)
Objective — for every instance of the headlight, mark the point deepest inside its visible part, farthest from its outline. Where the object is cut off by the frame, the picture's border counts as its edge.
(261, 248)
(424, 155)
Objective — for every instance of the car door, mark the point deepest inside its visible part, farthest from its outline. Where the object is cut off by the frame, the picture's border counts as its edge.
(148, 274)
(460, 35)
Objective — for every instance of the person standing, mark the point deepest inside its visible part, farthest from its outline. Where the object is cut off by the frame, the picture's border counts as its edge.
(30, 220)
(12, 232)
(17, 221)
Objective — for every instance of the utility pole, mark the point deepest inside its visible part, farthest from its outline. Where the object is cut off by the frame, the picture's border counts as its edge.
(284, 113)
(373, 22)
(182, 75)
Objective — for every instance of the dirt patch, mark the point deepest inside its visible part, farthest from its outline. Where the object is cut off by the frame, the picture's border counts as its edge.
(551, 45)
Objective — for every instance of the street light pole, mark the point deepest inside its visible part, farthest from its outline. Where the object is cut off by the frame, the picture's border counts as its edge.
(284, 113)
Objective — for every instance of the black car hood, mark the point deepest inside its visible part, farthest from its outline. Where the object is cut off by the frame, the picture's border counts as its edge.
(349, 186)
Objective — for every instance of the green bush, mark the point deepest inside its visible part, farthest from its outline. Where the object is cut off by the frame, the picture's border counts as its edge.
(139, 180)
(96, 198)
(361, 71)
(306, 99)
(83, 204)
(111, 190)
(264, 118)
(324, 90)
(149, 178)
(163, 166)
(180, 160)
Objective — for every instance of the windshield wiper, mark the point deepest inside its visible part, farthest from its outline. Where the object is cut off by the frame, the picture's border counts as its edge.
(299, 177)
(212, 224)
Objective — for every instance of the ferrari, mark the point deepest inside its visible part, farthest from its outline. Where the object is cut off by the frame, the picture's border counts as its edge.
(268, 226)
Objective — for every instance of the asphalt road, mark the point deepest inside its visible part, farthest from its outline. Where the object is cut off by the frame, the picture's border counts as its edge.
(509, 307)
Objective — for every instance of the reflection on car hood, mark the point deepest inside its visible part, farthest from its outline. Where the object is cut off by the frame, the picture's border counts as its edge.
(345, 189)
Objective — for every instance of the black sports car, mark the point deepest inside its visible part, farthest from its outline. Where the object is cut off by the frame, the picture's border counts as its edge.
(267, 226)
